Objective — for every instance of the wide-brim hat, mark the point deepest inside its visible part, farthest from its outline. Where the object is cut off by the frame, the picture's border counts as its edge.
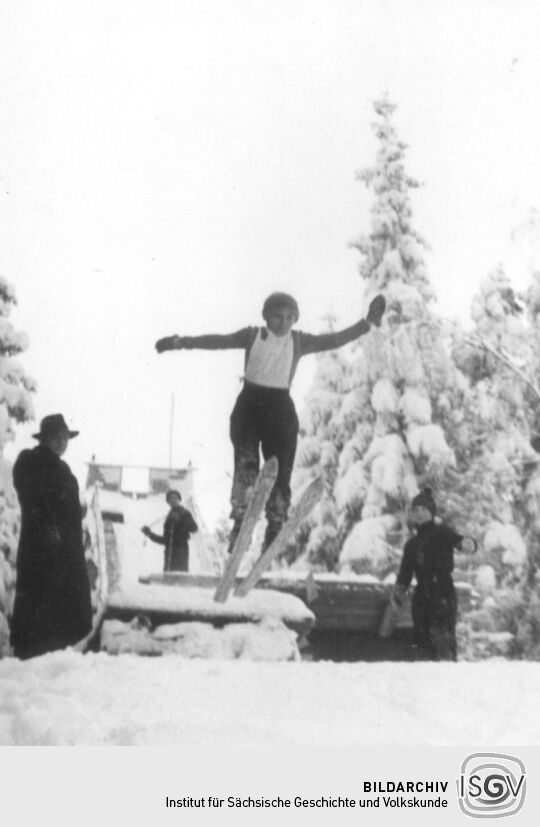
(53, 425)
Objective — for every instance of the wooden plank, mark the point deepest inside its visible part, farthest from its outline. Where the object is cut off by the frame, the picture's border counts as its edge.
(347, 605)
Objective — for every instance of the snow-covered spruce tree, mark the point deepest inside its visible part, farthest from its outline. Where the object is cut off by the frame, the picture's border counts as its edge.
(524, 615)
(532, 395)
(383, 430)
(492, 446)
(318, 454)
(532, 302)
(15, 406)
(496, 486)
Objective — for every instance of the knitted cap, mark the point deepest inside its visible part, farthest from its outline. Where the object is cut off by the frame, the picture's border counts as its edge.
(276, 300)
(425, 499)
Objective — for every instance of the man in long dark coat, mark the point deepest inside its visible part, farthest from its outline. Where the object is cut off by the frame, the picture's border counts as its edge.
(178, 526)
(52, 607)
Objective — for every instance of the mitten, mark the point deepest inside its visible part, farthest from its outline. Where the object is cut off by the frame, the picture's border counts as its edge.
(468, 545)
(376, 310)
(167, 343)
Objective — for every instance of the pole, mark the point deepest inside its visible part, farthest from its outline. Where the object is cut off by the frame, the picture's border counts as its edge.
(171, 430)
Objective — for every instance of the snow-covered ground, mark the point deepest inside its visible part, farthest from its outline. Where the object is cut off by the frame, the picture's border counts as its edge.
(70, 699)
(216, 695)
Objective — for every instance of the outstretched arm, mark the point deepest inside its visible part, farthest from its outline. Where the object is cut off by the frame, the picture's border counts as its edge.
(210, 341)
(457, 541)
(330, 341)
(156, 538)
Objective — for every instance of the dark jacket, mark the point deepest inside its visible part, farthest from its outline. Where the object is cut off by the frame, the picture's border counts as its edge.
(179, 524)
(52, 607)
(429, 555)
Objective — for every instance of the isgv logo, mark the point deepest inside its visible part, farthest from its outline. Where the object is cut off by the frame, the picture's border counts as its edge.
(491, 785)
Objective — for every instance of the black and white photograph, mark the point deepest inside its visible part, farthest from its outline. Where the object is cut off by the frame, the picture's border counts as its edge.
(270, 381)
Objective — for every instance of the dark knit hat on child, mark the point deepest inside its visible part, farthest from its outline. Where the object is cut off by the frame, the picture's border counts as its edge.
(425, 499)
(276, 300)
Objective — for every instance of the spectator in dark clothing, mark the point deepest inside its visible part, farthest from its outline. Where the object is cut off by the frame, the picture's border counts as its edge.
(178, 526)
(429, 555)
(52, 606)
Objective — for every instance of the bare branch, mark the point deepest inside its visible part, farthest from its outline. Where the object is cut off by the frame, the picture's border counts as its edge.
(504, 358)
(480, 344)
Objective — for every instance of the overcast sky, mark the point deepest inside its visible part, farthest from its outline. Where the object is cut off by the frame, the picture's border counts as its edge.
(166, 165)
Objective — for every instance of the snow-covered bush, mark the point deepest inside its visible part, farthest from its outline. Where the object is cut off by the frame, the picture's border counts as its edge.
(506, 547)
(526, 618)
(323, 547)
(269, 640)
(15, 406)
(366, 549)
(485, 579)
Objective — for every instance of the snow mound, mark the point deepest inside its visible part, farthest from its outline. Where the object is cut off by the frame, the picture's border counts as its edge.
(269, 640)
(197, 603)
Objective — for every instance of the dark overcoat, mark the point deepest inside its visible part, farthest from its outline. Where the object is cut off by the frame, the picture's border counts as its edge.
(178, 526)
(52, 606)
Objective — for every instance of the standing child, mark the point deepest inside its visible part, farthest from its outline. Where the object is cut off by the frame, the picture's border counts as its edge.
(264, 416)
(429, 555)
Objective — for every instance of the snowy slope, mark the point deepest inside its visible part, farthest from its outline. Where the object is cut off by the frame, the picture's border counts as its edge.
(66, 698)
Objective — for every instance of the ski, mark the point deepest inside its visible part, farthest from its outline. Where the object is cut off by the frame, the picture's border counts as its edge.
(300, 510)
(389, 620)
(99, 548)
(262, 488)
(97, 620)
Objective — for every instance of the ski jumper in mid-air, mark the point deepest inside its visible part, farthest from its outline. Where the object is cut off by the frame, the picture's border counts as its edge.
(264, 417)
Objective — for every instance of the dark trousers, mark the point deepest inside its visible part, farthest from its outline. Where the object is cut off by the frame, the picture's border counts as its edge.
(263, 421)
(434, 613)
